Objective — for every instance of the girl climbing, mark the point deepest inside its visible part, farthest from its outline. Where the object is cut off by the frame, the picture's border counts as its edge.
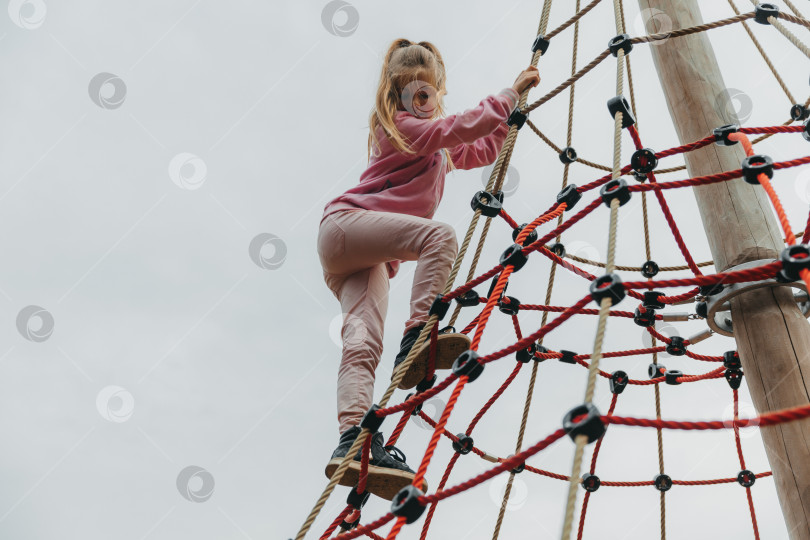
(368, 230)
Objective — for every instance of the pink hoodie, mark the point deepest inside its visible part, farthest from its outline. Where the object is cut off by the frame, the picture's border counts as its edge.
(414, 183)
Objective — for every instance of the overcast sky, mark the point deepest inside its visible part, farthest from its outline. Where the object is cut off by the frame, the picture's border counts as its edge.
(168, 348)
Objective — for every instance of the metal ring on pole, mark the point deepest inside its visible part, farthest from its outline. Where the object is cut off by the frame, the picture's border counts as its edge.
(719, 305)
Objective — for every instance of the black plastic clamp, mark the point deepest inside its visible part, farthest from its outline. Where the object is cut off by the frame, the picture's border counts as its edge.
(524, 355)
(513, 255)
(468, 299)
(619, 104)
(640, 177)
(799, 112)
(731, 360)
(656, 370)
(734, 378)
(517, 118)
(519, 468)
(753, 166)
(806, 130)
(746, 478)
(764, 11)
(532, 236)
(795, 258)
(644, 160)
(492, 286)
(488, 203)
(426, 384)
(591, 482)
(676, 346)
(662, 482)
(671, 377)
(464, 445)
(620, 43)
(357, 500)
(371, 421)
(416, 410)
(652, 300)
(644, 318)
(567, 357)
(438, 307)
(711, 290)
(618, 381)
(586, 420)
(570, 196)
(540, 44)
(406, 504)
(721, 134)
(607, 286)
(568, 154)
(615, 189)
(702, 310)
(510, 308)
(467, 364)
(558, 249)
(650, 269)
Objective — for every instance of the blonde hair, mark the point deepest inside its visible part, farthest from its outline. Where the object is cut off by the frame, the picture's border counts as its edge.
(405, 63)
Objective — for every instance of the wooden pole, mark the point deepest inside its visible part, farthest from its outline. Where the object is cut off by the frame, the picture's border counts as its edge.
(773, 338)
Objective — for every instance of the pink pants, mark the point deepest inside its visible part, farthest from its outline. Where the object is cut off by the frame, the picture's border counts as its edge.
(354, 246)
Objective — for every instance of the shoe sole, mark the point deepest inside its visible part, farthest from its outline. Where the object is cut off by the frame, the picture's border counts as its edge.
(383, 482)
(448, 348)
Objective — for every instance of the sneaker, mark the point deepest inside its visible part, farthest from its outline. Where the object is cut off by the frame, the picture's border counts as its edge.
(387, 471)
(449, 346)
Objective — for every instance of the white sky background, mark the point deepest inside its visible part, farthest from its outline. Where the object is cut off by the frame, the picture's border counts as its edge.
(230, 367)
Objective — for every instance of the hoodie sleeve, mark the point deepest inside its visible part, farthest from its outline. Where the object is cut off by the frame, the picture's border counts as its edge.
(429, 136)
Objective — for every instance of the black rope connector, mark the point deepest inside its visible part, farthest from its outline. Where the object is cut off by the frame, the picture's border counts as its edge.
(711, 290)
(524, 355)
(734, 378)
(371, 421)
(416, 410)
(517, 118)
(591, 482)
(520, 467)
(721, 134)
(650, 269)
(764, 11)
(746, 478)
(662, 482)
(671, 377)
(570, 196)
(652, 300)
(619, 104)
(406, 504)
(492, 286)
(511, 308)
(644, 319)
(607, 286)
(753, 166)
(464, 445)
(731, 360)
(676, 347)
(799, 112)
(644, 160)
(640, 177)
(346, 526)
(568, 357)
(656, 370)
(438, 307)
(794, 259)
(488, 203)
(531, 238)
(806, 131)
(467, 364)
(357, 500)
(568, 154)
(615, 189)
(558, 249)
(540, 44)
(499, 195)
(620, 43)
(702, 310)
(468, 299)
(426, 384)
(618, 381)
(513, 255)
(586, 420)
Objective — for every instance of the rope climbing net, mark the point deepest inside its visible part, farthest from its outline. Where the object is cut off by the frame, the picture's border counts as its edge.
(584, 423)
